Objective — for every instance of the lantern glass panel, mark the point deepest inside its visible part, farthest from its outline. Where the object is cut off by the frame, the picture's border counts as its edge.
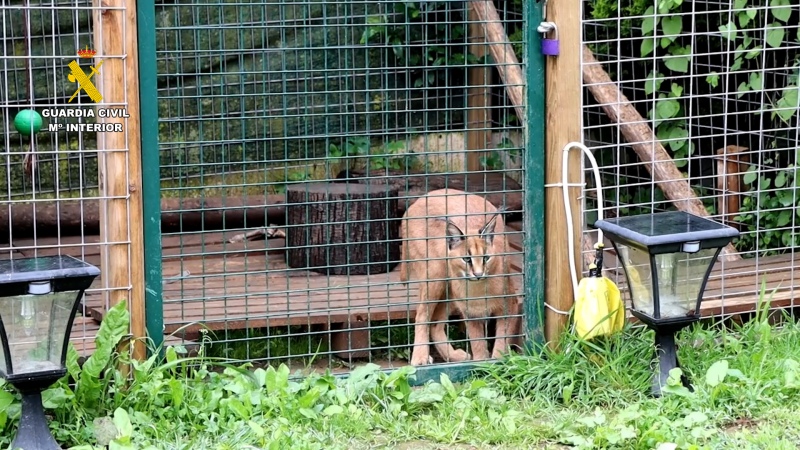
(680, 279)
(36, 327)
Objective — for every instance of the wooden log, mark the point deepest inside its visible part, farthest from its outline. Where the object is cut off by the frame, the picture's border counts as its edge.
(342, 229)
(641, 138)
(82, 217)
(732, 163)
(505, 59)
(494, 186)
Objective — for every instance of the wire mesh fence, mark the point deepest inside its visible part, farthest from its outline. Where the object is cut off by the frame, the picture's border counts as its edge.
(294, 136)
(703, 93)
(53, 116)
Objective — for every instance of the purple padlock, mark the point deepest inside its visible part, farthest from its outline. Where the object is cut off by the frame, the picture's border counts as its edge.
(550, 47)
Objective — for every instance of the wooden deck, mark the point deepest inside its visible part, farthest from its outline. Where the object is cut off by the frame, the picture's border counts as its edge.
(734, 287)
(248, 285)
(211, 283)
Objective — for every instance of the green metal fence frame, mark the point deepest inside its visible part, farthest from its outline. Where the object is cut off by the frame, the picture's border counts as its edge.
(151, 186)
(533, 186)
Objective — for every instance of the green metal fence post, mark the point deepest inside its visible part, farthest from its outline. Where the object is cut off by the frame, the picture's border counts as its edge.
(533, 184)
(151, 189)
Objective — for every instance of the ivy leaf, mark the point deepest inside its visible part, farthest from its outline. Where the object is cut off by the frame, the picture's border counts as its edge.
(787, 104)
(786, 198)
(775, 34)
(742, 89)
(780, 179)
(744, 19)
(756, 83)
(677, 138)
(679, 60)
(751, 175)
(676, 90)
(728, 31)
(667, 109)
(653, 82)
(713, 79)
(737, 63)
(754, 52)
(784, 218)
(647, 46)
(739, 4)
(649, 22)
(781, 10)
(677, 63)
(672, 26)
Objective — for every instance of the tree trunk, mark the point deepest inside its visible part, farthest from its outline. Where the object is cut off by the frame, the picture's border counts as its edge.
(342, 229)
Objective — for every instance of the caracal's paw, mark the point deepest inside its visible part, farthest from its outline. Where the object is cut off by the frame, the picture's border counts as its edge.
(421, 360)
(459, 355)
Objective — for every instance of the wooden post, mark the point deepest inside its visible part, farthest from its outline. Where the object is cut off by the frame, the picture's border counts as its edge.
(563, 125)
(119, 162)
(478, 97)
(732, 164)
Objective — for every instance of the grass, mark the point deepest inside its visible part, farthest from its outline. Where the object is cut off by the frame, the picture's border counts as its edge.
(593, 395)
(292, 345)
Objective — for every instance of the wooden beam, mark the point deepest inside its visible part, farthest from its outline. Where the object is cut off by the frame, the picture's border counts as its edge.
(478, 97)
(119, 165)
(137, 266)
(563, 99)
(504, 57)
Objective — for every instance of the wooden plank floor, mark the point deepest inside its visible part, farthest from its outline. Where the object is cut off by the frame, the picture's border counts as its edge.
(85, 326)
(247, 285)
(734, 287)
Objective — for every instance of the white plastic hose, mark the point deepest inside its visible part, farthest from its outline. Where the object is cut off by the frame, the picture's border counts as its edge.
(565, 190)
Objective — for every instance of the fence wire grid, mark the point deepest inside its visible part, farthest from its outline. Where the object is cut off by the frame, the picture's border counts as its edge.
(717, 83)
(294, 135)
(51, 203)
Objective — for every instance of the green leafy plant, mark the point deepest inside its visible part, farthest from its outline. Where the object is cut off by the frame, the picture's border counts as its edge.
(356, 152)
(769, 209)
(664, 47)
(408, 25)
(493, 160)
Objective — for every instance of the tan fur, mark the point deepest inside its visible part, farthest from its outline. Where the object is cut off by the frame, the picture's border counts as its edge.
(438, 232)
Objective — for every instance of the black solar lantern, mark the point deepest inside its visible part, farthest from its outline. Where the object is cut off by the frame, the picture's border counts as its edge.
(38, 301)
(667, 258)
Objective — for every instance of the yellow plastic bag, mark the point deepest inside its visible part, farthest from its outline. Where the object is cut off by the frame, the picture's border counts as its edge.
(598, 308)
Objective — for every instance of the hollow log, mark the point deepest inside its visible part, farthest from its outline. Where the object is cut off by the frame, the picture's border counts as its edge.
(342, 229)
(640, 136)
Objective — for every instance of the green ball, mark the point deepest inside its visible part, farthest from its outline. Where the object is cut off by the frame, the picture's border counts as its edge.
(28, 121)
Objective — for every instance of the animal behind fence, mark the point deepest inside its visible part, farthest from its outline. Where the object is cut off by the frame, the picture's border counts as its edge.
(454, 245)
